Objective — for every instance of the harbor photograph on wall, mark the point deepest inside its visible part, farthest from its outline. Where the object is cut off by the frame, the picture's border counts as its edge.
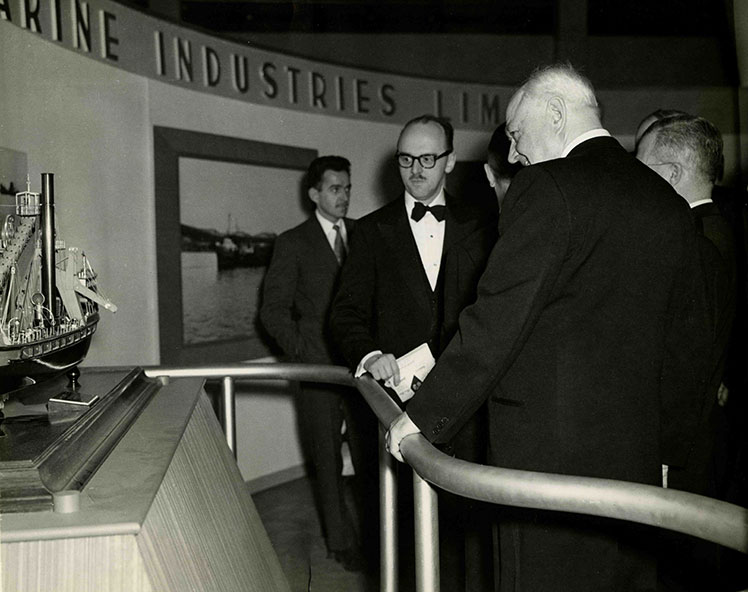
(229, 218)
(220, 203)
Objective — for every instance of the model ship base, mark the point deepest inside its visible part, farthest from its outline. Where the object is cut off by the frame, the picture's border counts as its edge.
(56, 433)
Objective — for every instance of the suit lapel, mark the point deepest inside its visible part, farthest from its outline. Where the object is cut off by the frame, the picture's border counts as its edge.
(458, 227)
(318, 242)
(397, 236)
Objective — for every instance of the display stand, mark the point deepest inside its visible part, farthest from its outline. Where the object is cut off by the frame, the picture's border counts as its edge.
(154, 502)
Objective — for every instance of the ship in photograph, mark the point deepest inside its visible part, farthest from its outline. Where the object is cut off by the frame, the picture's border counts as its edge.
(49, 300)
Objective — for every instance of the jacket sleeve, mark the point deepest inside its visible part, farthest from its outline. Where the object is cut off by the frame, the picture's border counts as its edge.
(513, 291)
(277, 312)
(352, 312)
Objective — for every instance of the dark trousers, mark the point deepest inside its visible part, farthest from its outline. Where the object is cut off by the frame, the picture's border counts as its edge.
(322, 412)
(465, 544)
(688, 564)
(466, 525)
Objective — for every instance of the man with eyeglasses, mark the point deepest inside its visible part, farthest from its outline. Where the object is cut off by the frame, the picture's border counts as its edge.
(412, 267)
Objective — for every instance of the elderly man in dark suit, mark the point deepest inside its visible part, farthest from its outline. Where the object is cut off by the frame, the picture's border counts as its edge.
(298, 289)
(686, 151)
(579, 321)
(413, 266)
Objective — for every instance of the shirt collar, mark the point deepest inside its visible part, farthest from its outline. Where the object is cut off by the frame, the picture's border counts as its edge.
(700, 202)
(410, 201)
(594, 133)
(325, 223)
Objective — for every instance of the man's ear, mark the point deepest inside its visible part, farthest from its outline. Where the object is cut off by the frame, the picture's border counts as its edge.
(451, 161)
(489, 175)
(313, 194)
(675, 175)
(556, 108)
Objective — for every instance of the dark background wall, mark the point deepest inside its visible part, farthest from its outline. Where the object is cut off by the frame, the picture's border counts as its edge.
(618, 44)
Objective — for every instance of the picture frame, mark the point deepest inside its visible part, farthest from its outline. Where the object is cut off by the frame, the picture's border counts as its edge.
(172, 145)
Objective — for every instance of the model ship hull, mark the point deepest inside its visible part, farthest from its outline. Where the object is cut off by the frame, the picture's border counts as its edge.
(47, 356)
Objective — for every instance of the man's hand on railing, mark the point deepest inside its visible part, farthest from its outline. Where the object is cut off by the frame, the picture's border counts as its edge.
(400, 428)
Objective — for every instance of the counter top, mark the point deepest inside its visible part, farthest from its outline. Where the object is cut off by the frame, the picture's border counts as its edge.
(116, 499)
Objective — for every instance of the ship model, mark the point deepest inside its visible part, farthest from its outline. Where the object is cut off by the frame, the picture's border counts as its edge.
(49, 300)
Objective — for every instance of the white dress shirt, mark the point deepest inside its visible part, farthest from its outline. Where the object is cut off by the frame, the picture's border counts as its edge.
(429, 235)
(700, 202)
(594, 133)
(327, 228)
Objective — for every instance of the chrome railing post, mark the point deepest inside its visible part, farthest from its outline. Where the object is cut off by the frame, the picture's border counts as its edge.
(388, 569)
(228, 412)
(427, 535)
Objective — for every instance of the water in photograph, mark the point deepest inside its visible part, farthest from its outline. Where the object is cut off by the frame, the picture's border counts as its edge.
(218, 305)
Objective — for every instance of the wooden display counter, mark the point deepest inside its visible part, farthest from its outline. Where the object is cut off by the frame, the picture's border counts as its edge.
(162, 505)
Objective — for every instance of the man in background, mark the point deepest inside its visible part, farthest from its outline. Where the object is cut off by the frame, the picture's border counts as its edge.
(298, 289)
(499, 171)
(412, 267)
(578, 326)
(656, 115)
(686, 151)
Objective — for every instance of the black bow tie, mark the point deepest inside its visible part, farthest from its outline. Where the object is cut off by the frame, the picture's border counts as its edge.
(419, 211)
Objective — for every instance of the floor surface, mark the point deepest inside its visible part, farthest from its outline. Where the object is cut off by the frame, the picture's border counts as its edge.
(292, 522)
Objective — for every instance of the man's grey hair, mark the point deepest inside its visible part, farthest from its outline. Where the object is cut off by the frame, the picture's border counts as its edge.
(564, 81)
(692, 141)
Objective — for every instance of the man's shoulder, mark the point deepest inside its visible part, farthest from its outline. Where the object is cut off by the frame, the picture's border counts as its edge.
(599, 163)
(387, 212)
(302, 228)
(299, 233)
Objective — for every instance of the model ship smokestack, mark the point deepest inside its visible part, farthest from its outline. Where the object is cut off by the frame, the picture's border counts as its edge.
(47, 224)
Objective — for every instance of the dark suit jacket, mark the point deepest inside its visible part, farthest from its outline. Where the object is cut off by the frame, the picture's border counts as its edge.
(579, 326)
(384, 301)
(298, 290)
(703, 472)
(720, 270)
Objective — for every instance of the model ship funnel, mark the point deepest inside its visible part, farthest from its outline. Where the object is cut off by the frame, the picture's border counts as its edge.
(47, 224)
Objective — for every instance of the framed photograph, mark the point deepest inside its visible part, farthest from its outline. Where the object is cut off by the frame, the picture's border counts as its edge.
(220, 203)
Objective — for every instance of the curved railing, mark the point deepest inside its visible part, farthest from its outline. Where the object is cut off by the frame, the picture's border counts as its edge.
(702, 517)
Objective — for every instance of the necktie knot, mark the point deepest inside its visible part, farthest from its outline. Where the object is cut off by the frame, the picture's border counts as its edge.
(419, 211)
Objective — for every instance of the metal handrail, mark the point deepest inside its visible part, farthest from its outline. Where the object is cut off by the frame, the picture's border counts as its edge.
(706, 518)
(700, 516)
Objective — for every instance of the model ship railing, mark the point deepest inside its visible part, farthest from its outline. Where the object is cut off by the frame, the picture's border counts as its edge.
(702, 517)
